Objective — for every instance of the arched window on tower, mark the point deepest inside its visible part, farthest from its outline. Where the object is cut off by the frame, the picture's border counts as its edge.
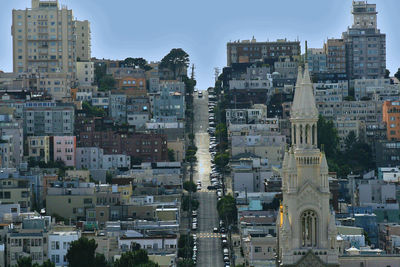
(309, 228)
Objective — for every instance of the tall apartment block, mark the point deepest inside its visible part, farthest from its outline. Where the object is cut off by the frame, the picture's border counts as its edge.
(335, 50)
(45, 37)
(251, 51)
(83, 40)
(365, 44)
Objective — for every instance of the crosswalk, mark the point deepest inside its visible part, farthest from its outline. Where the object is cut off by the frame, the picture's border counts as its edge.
(208, 235)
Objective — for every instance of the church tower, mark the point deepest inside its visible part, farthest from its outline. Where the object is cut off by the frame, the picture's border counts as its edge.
(306, 226)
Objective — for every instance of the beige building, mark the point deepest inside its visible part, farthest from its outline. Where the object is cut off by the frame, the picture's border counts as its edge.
(46, 38)
(83, 40)
(259, 248)
(85, 75)
(70, 202)
(43, 38)
(16, 191)
(26, 243)
(39, 148)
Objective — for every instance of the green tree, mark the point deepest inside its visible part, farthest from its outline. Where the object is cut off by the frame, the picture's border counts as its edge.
(186, 202)
(387, 73)
(100, 70)
(397, 74)
(185, 246)
(27, 262)
(81, 253)
(190, 186)
(185, 263)
(24, 262)
(221, 160)
(109, 177)
(176, 60)
(107, 82)
(227, 210)
(93, 111)
(350, 140)
(171, 155)
(138, 258)
(327, 136)
(100, 260)
(136, 62)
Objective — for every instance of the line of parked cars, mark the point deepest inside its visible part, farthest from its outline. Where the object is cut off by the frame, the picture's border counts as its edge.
(194, 257)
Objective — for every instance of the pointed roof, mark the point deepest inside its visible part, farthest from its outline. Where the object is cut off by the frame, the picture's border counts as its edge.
(324, 163)
(304, 101)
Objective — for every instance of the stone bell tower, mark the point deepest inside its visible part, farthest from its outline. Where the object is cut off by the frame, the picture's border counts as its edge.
(306, 226)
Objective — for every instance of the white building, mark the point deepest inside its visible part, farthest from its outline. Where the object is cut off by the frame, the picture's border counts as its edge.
(116, 161)
(58, 245)
(90, 158)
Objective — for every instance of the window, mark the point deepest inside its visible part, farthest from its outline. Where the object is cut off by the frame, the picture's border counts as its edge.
(309, 231)
(257, 249)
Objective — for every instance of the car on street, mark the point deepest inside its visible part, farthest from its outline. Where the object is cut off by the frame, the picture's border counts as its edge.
(194, 226)
(210, 187)
(200, 94)
(215, 230)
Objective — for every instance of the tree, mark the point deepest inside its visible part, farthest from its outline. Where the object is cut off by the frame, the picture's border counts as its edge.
(109, 177)
(138, 258)
(190, 186)
(27, 262)
(106, 82)
(136, 62)
(185, 246)
(186, 263)
(24, 262)
(100, 70)
(186, 201)
(387, 73)
(350, 140)
(327, 136)
(81, 253)
(221, 160)
(397, 74)
(176, 60)
(100, 260)
(93, 111)
(171, 155)
(227, 210)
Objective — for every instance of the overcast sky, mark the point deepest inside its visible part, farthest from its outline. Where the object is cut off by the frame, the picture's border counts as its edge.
(150, 28)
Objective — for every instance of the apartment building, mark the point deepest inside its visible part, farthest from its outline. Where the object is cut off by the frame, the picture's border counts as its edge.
(130, 81)
(331, 92)
(391, 116)
(90, 158)
(16, 191)
(335, 50)
(365, 44)
(345, 126)
(85, 73)
(43, 38)
(39, 148)
(48, 118)
(58, 245)
(316, 58)
(169, 103)
(369, 87)
(11, 131)
(369, 112)
(83, 40)
(70, 202)
(248, 51)
(64, 149)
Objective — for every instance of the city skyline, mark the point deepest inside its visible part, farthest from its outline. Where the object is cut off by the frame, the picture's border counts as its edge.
(205, 40)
